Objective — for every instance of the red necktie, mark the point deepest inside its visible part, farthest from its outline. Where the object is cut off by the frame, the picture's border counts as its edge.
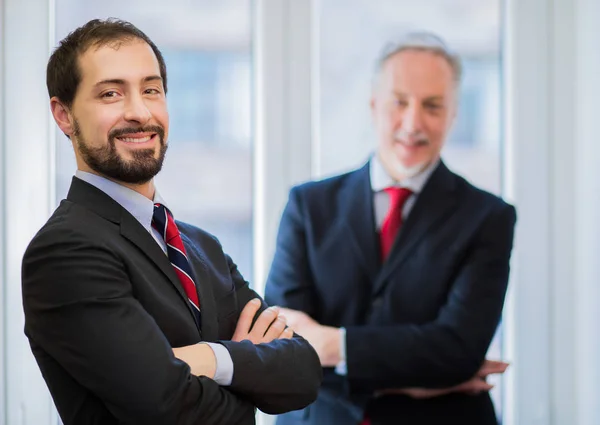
(164, 223)
(393, 219)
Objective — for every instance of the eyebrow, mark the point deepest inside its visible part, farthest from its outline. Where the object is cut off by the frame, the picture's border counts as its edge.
(430, 98)
(122, 82)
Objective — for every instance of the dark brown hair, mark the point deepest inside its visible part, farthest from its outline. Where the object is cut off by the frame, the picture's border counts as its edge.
(63, 74)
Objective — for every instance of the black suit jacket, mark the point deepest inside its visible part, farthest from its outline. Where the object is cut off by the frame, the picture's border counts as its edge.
(424, 318)
(103, 308)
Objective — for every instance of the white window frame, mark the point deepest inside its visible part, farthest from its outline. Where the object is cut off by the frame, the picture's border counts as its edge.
(527, 170)
(3, 245)
(27, 140)
(283, 113)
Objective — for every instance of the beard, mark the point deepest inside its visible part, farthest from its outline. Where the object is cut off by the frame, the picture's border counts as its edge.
(418, 139)
(105, 160)
(409, 172)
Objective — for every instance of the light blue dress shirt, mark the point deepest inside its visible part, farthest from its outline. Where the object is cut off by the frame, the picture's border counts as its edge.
(381, 180)
(142, 209)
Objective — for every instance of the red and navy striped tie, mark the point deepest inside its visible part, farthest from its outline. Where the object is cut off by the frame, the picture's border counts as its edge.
(164, 223)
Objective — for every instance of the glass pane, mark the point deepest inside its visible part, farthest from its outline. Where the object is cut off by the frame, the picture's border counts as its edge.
(206, 179)
(349, 44)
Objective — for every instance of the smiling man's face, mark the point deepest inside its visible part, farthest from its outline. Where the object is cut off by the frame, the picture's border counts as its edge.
(413, 106)
(119, 121)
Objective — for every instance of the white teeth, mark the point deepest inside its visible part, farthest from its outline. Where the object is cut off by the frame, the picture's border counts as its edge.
(135, 139)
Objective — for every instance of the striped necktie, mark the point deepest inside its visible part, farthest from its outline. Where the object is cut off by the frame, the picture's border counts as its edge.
(163, 222)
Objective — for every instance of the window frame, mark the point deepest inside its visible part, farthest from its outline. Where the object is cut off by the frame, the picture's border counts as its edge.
(27, 163)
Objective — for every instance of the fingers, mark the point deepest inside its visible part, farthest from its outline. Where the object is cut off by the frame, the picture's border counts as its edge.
(245, 321)
(295, 318)
(263, 322)
(288, 333)
(474, 386)
(492, 366)
(287, 311)
(276, 329)
(420, 393)
(480, 386)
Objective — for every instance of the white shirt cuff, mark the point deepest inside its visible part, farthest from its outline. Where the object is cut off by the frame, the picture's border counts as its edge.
(224, 370)
(341, 368)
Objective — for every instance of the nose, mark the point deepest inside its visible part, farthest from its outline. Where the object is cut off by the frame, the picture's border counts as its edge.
(412, 121)
(136, 110)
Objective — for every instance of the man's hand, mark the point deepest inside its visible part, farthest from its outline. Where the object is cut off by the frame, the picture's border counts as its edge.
(200, 357)
(324, 339)
(270, 324)
(474, 386)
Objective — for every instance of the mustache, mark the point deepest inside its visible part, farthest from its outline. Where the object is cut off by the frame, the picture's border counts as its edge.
(417, 139)
(118, 132)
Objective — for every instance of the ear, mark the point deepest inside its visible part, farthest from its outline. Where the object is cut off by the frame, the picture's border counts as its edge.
(62, 116)
(373, 107)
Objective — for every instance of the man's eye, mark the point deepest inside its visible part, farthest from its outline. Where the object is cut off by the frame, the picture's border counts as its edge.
(152, 91)
(109, 94)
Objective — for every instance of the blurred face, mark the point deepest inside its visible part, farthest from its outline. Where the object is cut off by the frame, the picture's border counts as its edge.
(413, 107)
(118, 121)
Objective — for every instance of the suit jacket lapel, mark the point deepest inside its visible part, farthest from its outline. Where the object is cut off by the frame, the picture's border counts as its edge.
(94, 199)
(436, 201)
(356, 199)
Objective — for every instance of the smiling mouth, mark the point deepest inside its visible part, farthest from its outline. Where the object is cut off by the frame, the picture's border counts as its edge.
(136, 139)
(413, 144)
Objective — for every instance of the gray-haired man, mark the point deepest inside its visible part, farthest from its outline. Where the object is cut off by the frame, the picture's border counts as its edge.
(397, 272)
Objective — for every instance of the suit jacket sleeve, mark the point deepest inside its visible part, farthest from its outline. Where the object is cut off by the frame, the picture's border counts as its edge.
(79, 307)
(276, 377)
(290, 282)
(450, 349)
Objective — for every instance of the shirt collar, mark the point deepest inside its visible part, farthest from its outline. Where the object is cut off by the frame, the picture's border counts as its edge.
(380, 179)
(140, 207)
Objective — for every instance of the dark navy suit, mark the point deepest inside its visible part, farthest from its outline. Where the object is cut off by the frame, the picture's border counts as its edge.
(423, 318)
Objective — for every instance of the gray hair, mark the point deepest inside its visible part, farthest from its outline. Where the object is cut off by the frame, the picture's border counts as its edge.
(422, 41)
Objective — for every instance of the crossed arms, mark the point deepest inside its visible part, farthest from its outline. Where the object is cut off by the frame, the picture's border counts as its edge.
(81, 312)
